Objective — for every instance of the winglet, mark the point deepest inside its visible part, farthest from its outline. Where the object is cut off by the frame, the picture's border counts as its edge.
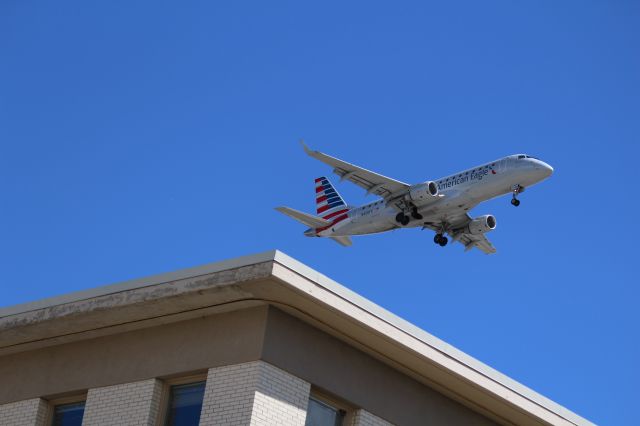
(306, 148)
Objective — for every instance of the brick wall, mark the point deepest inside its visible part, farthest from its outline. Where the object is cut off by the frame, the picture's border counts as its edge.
(254, 393)
(364, 418)
(31, 412)
(129, 404)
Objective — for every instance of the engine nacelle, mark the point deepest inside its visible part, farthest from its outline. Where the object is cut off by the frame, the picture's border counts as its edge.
(482, 224)
(423, 192)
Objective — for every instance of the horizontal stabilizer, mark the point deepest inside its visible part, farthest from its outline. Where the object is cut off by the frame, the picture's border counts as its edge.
(307, 219)
(343, 241)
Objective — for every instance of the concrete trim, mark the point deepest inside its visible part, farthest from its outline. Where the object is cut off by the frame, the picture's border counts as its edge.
(139, 283)
(336, 297)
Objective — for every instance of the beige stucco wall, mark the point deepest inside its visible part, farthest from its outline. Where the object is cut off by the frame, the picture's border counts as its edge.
(155, 352)
(301, 354)
(339, 368)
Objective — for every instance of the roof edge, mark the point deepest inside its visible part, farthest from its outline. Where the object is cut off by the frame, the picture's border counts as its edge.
(138, 283)
(427, 338)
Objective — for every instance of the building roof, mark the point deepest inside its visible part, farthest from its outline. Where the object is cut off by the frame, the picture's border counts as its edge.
(277, 279)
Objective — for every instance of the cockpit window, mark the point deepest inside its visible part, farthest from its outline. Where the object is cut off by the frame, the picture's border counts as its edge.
(520, 157)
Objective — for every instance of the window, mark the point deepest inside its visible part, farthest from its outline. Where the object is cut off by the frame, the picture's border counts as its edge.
(185, 404)
(68, 414)
(322, 414)
(520, 157)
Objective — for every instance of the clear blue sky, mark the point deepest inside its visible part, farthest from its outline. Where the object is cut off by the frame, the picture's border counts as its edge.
(142, 137)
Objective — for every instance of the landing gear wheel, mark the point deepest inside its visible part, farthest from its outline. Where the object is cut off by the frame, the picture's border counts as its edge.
(515, 190)
(441, 240)
(402, 219)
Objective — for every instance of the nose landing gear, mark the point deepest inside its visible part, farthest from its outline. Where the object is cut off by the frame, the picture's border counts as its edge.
(515, 190)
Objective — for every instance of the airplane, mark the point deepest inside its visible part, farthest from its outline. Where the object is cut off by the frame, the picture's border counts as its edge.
(440, 205)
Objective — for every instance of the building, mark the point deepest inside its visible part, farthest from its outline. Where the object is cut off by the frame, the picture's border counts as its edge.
(256, 340)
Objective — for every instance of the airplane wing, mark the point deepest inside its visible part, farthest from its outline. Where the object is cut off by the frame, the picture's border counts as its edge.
(469, 240)
(479, 241)
(372, 182)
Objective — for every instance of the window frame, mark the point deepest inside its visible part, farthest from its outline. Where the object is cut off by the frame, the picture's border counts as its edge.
(52, 403)
(166, 392)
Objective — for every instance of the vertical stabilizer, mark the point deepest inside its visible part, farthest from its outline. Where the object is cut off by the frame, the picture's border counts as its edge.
(328, 202)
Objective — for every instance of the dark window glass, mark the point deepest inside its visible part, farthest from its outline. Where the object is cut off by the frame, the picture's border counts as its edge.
(520, 156)
(185, 404)
(68, 414)
(321, 414)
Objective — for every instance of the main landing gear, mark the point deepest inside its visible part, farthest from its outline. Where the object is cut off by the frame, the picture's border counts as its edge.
(515, 190)
(404, 219)
(415, 214)
(441, 240)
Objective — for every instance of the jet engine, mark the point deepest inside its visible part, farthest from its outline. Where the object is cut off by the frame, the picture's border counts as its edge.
(422, 192)
(482, 224)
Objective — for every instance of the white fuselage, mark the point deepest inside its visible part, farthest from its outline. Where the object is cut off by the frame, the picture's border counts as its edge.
(459, 192)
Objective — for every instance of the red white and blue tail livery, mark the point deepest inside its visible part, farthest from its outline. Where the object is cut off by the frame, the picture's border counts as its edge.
(328, 200)
(440, 205)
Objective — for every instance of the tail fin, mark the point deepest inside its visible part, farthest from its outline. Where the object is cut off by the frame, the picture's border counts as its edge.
(328, 201)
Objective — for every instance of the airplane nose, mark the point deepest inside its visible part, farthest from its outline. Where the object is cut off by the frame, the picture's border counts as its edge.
(545, 169)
